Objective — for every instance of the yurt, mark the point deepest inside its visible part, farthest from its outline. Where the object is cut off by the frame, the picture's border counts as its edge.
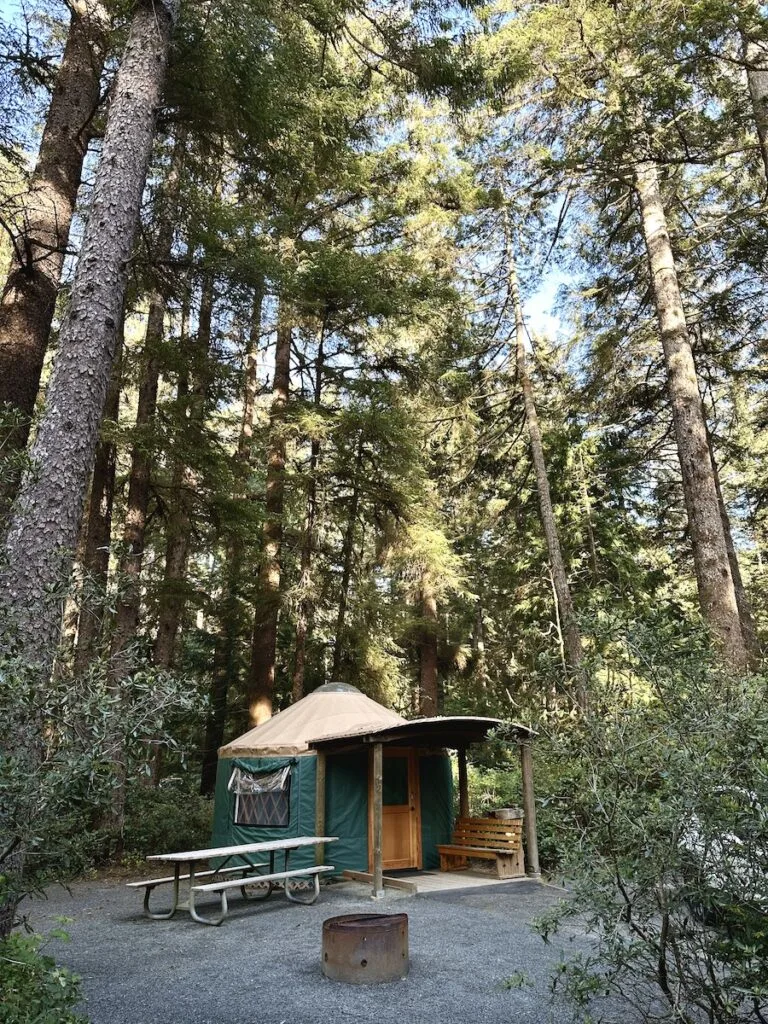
(268, 783)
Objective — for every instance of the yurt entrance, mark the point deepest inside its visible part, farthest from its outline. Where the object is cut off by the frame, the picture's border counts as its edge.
(401, 810)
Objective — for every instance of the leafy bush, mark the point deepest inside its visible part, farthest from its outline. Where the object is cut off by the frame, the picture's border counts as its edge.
(34, 989)
(666, 838)
(166, 819)
(69, 743)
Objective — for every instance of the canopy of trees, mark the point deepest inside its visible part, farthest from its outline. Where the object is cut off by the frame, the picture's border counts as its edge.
(416, 345)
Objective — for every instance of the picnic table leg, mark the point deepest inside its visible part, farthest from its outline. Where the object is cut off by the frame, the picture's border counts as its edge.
(309, 902)
(251, 880)
(286, 883)
(208, 920)
(193, 910)
(165, 915)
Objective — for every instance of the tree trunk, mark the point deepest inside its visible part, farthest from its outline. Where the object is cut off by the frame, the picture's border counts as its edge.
(717, 596)
(748, 626)
(224, 658)
(223, 670)
(755, 55)
(428, 691)
(173, 593)
(128, 603)
(264, 646)
(67, 646)
(29, 298)
(95, 561)
(46, 516)
(306, 602)
(134, 527)
(572, 647)
(348, 551)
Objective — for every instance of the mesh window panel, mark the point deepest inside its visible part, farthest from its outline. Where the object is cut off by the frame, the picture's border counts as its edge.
(268, 810)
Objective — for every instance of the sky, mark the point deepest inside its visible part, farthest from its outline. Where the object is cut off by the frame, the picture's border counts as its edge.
(541, 306)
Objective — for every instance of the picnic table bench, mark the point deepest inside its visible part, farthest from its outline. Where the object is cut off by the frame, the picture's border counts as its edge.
(245, 874)
(285, 877)
(496, 839)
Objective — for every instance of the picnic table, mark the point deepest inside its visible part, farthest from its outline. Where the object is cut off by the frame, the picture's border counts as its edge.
(245, 873)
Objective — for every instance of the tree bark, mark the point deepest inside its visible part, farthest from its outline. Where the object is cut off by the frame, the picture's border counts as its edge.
(95, 560)
(348, 551)
(46, 516)
(28, 299)
(572, 647)
(173, 593)
(306, 602)
(264, 646)
(428, 690)
(755, 55)
(717, 596)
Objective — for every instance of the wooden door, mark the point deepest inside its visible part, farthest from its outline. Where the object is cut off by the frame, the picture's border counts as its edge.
(401, 813)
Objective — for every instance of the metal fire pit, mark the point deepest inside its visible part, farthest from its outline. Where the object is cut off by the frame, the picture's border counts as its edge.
(363, 949)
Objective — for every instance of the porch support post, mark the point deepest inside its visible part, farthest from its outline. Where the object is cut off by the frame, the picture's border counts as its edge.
(463, 784)
(378, 819)
(320, 806)
(529, 810)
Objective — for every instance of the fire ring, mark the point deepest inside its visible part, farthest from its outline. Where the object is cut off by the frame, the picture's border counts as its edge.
(365, 949)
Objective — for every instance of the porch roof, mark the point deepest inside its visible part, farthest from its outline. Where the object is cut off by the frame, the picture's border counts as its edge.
(454, 731)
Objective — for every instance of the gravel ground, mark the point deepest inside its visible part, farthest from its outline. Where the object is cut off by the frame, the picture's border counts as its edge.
(262, 966)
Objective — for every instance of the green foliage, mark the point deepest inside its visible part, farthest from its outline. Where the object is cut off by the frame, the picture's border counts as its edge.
(59, 766)
(369, 217)
(34, 989)
(517, 980)
(491, 787)
(665, 836)
(165, 819)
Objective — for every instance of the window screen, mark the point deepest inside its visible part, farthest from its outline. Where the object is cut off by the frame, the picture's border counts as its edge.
(263, 800)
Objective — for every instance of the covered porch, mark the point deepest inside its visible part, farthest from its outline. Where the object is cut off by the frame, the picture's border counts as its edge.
(395, 799)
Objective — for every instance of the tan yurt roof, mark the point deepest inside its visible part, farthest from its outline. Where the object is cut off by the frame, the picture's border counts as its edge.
(335, 709)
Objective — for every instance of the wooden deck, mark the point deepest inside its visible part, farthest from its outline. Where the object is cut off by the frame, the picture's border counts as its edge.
(415, 882)
(443, 881)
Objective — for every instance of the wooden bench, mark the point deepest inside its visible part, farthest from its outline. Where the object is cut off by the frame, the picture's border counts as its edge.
(488, 839)
(236, 883)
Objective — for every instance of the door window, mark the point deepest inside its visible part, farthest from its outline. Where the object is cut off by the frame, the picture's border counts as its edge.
(395, 781)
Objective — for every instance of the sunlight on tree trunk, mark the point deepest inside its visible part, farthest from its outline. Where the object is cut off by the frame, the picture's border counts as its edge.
(262, 676)
(717, 596)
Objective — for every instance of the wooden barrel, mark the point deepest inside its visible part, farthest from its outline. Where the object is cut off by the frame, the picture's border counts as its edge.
(364, 949)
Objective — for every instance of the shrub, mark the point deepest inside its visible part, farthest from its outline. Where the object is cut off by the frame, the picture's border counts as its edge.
(34, 989)
(666, 837)
(166, 819)
(69, 742)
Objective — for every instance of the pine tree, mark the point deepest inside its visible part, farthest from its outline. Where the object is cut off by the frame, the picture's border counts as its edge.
(46, 516)
(29, 295)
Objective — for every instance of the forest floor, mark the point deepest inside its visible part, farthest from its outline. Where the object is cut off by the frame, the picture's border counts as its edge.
(262, 966)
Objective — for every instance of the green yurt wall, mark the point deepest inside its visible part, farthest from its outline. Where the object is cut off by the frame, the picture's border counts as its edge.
(346, 807)
(302, 805)
(436, 786)
(346, 810)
